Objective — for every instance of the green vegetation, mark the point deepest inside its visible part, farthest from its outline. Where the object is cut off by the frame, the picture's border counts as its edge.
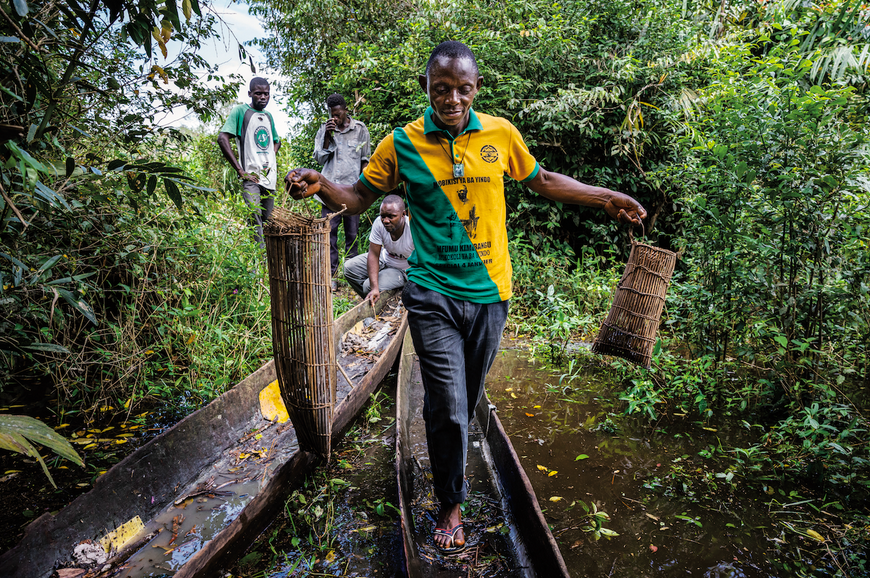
(126, 273)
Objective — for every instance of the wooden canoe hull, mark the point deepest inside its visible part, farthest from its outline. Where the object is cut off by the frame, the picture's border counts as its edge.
(536, 541)
(148, 480)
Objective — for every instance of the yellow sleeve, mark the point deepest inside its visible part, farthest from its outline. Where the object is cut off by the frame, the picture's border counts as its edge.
(522, 166)
(382, 172)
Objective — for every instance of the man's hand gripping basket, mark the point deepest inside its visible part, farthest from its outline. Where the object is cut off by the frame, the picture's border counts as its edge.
(629, 331)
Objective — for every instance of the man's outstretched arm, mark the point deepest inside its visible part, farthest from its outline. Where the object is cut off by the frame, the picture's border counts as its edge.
(304, 183)
(564, 189)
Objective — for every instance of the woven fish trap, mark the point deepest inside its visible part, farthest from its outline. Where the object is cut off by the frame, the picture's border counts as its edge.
(297, 250)
(629, 331)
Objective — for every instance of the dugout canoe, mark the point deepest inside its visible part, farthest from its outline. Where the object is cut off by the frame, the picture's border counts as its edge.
(521, 536)
(227, 440)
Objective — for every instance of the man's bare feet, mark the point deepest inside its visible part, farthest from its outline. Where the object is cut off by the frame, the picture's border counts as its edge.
(450, 537)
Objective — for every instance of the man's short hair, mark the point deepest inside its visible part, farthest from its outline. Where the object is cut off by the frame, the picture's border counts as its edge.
(394, 200)
(451, 49)
(334, 100)
(257, 81)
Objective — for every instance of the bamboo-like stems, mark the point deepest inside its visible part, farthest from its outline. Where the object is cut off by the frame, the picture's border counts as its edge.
(297, 251)
(629, 331)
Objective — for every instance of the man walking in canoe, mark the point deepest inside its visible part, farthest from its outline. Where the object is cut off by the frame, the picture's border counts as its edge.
(453, 160)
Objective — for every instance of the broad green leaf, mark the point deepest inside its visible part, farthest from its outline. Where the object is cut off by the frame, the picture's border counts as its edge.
(49, 263)
(581, 457)
(25, 156)
(47, 347)
(152, 184)
(14, 261)
(173, 192)
(21, 7)
(608, 533)
(15, 428)
(51, 196)
(78, 304)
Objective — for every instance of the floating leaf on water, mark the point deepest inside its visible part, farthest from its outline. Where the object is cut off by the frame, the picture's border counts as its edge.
(543, 468)
(61, 426)
(89, 446)
(552, 473)
(815, 535)
(555, 498)
(536, 407)
(121, 441)
(366, 529)
(581, 457)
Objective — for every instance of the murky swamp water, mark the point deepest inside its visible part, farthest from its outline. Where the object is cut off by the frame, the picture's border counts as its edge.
(576, 447)
(671, 514)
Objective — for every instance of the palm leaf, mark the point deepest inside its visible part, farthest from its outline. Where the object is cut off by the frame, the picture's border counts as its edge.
(16, 430)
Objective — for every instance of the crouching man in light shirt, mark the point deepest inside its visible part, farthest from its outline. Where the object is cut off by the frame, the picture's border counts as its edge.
(390, 245)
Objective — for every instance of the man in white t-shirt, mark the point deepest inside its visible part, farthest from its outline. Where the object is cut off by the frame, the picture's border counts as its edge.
(390, 245)
(257, 140)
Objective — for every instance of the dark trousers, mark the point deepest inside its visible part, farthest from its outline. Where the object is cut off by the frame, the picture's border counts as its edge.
(456, 342)
(260, 201)
(351, 228)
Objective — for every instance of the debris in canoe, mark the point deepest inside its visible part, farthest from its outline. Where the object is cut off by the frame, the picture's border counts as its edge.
(368, 337)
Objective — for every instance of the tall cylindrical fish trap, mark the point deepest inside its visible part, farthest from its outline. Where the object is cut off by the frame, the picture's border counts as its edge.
(629, 331)
(297, 249)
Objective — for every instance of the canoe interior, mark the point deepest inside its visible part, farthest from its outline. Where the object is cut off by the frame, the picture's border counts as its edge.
(227, 445)
(506, 532)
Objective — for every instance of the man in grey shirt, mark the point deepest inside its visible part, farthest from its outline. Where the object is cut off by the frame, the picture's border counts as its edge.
(343, 148)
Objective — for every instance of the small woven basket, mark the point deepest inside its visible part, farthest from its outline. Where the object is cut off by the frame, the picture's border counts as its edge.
(297, 250)
(629, 331)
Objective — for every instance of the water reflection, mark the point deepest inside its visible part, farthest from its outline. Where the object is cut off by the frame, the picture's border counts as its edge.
(584, 457)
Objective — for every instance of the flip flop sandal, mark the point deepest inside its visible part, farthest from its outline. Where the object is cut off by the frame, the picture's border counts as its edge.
(451, 534)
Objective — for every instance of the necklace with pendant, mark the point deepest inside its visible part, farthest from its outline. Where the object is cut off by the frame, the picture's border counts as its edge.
(458, 168)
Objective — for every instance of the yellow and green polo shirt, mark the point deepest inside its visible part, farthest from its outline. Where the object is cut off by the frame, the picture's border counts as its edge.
(458, 223)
